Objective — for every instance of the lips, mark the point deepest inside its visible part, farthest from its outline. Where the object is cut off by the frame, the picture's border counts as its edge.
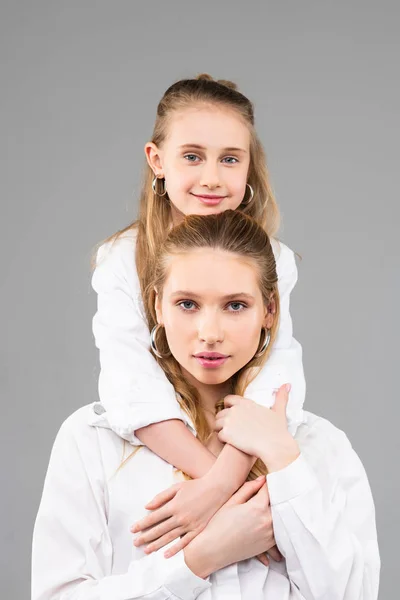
(211, 360)
(209, 196)
(210, 355)
(209, 200)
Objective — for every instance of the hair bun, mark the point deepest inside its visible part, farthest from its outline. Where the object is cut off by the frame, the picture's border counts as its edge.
(225, 82)
(229, 84)
(204, 77)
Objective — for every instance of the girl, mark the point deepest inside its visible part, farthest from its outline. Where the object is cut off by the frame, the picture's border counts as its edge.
(204, 158)
(213, 305)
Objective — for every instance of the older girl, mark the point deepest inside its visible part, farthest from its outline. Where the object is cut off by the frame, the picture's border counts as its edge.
(213, 305)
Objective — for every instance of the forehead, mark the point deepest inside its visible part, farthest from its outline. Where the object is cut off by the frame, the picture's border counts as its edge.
(208, 126)
(205, 271)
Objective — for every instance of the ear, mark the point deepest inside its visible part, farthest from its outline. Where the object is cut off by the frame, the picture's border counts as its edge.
(157, 306)
(270, 312)
(154, 158)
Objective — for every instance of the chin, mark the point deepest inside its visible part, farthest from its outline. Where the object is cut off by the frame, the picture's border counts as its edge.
(212, 378)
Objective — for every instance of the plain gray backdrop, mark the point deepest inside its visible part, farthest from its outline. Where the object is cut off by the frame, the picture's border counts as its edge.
(80, 82)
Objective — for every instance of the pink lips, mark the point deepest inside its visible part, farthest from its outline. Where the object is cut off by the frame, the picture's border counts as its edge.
(209, 200)
(211, 360)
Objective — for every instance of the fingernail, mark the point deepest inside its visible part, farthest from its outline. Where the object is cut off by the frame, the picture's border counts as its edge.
(259, 478)
(167, 554)
(288, 387)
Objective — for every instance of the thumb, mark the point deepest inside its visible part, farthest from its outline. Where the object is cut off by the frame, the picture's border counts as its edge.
(261, 498)
(246, 491)
(281, 399)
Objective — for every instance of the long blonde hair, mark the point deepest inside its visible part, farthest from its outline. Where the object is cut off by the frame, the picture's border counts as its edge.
(155, 217)
(229, 231)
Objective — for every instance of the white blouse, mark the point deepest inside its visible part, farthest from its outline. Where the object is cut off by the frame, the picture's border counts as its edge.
(322, 510)
(133, 388)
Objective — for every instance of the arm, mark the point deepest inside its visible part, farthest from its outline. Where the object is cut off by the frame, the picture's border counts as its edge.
(144, 403)
(324, 520)
(72, 554)
(285, 363)
(144, 408)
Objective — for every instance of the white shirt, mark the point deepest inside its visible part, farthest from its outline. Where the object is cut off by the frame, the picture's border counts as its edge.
(133, 388)
(322, 510)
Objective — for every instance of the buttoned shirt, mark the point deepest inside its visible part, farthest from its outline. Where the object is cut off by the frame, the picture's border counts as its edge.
(321, 504)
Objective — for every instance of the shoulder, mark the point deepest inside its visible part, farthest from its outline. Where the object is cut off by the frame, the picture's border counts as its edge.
(284, 256)
(286, 267)
(118, 247)
(76, 429)
(326, 446)
(115, 263)
(84, 443)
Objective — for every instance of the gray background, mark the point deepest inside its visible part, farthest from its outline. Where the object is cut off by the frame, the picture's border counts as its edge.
(79, 86)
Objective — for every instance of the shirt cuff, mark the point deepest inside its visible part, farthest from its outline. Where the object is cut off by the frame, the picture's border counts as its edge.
(125, 421)
(292, 481)
(181, 581)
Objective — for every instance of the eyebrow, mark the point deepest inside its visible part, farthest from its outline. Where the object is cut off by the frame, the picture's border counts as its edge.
(198, 147)
(189, 294)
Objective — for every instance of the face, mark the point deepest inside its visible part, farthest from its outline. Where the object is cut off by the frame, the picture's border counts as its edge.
(213, 313)
(204, 160)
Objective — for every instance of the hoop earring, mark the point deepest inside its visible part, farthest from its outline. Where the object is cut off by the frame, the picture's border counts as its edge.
(153, 345)
(153, 185)
(251, 195)
(265, 344)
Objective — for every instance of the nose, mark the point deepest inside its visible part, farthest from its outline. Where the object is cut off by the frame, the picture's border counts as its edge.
(210, 330)
(210, 175)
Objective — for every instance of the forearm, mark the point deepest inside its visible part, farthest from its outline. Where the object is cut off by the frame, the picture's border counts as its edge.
(231, 468)
(201, 559)
(178, 446)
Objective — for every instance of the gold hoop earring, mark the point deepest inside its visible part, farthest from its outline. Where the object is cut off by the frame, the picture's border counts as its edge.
(153, 344)
(265, 343)
(153, 185)
(251, 195)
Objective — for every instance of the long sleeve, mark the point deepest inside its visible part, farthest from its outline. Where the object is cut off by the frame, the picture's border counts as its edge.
(72, 554)
(285, 363)
(324, 519)
(133, 388)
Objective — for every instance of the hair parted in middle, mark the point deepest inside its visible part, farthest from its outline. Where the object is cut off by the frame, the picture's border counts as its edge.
(155, 218)
(230, 231)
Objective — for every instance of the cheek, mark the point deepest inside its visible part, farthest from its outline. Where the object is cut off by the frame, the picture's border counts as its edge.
(178, 330)
(246, 336)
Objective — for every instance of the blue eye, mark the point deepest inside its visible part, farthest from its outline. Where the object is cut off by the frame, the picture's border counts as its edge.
(186, 305)
(237, 306)
(189, 156)
(231, 158)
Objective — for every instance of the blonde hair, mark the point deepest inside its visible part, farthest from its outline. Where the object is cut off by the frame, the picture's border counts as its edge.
(155, 217)
(230, 231)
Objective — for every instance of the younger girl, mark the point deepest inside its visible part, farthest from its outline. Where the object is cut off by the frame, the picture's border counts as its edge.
(205, 157)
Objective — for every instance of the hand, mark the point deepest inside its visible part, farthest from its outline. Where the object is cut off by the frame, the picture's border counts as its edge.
(241, 529)
(183, 510)
(258, 431)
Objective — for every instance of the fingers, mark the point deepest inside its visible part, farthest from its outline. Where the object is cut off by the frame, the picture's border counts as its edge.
(275, 554)
(247, 491)
(152, 519)
(163, 540)
(263, 558)
(183, 542)
(163, 497)
(155, 532)
(281, 399)
(231, 400)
